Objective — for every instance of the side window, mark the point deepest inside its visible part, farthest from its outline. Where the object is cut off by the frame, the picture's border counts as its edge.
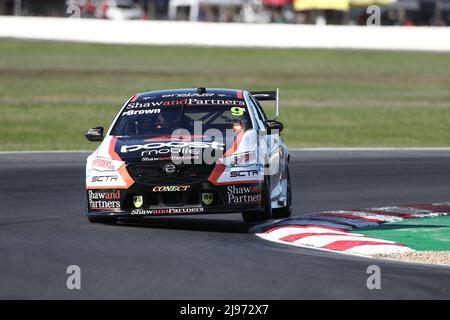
(259, 109)
(256, 113)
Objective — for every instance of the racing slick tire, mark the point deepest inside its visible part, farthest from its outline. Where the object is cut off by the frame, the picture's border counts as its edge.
(264, 214)
(108, 220)
(285, 212)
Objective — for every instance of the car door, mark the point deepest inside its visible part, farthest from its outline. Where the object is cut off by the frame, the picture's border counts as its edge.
(272, 146)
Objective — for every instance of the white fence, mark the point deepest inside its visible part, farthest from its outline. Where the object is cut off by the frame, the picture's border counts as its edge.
(226, 34)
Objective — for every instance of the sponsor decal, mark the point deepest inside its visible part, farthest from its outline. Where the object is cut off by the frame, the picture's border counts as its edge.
(243, 158)
(102, 164)
(139, 105)
(104, 199)
(215, 102)
(184, 158)
(166, 211)
(138, 201)
(171, 147)
(243, 194)
(207, 198)
(187, 101)
(104, 195)
(148, 159)
(192, 152)
(139, 112)
(170, 188)
(243, 173)
(170, 158)
(105, 178)
(100, 204)
(187, 95)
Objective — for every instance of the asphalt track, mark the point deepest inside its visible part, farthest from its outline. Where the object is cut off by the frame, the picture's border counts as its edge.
(43, 230)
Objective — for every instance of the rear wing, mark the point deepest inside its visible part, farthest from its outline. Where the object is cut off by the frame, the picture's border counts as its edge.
(273, 95)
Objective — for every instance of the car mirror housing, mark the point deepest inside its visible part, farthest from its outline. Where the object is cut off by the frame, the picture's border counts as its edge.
(95, 134)
(274, 125)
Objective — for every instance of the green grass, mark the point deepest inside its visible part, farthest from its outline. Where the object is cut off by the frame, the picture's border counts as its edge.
(419, 234)
(50, 93)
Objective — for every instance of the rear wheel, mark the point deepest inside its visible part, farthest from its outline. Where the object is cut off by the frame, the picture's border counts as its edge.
(109, 220)
(266, 212)
(285, 212)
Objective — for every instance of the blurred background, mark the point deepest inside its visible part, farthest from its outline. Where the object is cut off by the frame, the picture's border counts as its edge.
(342, 84)
(337, 12)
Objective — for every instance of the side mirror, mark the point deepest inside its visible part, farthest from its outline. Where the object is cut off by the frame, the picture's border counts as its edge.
(95, 134)
(274, 125)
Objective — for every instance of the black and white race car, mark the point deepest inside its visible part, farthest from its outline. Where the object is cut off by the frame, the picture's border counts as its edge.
(190, 151)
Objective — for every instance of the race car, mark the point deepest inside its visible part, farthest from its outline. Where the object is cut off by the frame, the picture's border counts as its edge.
(188, 152)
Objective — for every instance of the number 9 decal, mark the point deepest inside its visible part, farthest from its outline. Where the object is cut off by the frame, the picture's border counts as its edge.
(236, 111)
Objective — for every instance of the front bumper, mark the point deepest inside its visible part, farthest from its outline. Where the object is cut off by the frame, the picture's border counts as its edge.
(198, 198)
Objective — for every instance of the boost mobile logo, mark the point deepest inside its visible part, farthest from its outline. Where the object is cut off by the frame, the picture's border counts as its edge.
(174, 144)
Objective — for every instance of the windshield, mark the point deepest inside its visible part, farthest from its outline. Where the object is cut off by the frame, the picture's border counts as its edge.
(164, 120)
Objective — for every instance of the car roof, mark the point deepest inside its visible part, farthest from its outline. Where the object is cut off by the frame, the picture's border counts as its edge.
(209, 92)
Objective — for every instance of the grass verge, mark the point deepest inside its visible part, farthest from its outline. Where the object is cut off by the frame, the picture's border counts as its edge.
(50, 93)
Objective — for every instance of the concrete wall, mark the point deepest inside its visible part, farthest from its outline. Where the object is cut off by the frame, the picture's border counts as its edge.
(231, 34)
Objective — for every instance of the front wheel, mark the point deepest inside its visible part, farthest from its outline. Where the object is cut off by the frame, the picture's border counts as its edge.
(266, 212)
